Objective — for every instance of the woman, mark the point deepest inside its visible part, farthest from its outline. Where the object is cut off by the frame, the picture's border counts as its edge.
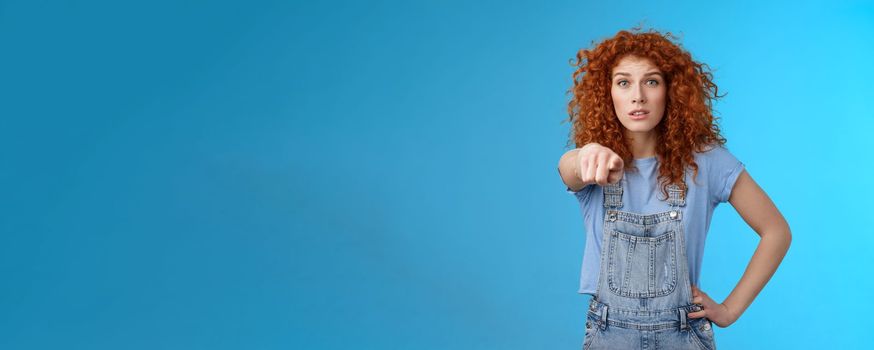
(651, 170)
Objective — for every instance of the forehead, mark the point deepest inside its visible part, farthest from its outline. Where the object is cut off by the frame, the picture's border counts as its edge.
(634, 64)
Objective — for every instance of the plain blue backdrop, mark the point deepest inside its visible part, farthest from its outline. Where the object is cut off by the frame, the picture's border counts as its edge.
(382, 174)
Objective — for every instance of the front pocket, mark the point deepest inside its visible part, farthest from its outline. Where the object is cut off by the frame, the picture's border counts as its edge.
(701, 332)
(641, 267)
(592, 329)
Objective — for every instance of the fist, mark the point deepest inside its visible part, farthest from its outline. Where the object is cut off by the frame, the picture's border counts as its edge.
(599, 164)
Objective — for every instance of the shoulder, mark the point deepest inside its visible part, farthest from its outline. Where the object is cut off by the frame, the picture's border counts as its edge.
(714, 157)
(721, 169)
(714, 152)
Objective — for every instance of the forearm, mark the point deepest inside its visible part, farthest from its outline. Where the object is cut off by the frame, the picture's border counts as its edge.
(569, 170)
(588, 165)
(767, 257)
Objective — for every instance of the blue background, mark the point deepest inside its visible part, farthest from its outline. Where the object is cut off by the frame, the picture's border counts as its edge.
(382, 174)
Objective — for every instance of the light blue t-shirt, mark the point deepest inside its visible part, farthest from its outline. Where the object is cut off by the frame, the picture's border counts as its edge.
(718, 170)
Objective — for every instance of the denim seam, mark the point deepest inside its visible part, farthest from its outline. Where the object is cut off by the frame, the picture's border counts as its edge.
(596, 330)
(645, 219)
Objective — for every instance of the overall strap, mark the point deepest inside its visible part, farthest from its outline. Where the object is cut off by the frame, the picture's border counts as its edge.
(676, 197)
(613, 195)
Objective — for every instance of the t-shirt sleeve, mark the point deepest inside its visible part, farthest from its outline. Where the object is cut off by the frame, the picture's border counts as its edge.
(724, 170)
(583, 194)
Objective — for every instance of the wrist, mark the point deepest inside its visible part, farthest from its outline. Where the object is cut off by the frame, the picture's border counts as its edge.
(577, 168)
(590, 144)
(731, 311)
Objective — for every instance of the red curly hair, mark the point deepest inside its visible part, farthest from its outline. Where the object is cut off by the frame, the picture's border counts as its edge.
(688, 125)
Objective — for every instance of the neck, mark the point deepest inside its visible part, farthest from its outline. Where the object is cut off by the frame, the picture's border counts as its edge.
(642, 143)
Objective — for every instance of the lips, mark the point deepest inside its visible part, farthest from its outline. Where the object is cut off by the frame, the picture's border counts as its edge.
(640, 116)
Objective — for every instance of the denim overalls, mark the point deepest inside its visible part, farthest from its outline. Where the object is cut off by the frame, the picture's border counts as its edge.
(644, 293)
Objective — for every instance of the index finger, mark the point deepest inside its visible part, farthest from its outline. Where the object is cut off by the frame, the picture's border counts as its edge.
(697, 314)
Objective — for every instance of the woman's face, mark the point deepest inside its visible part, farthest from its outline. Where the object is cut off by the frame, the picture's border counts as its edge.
(638, 85)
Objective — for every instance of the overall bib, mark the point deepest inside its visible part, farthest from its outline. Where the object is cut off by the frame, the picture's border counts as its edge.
(644, 293)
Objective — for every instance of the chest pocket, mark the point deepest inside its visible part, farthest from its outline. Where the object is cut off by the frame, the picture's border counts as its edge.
(642, 267)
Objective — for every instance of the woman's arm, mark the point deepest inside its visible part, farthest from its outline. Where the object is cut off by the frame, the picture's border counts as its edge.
(757, 209)
(590, 164)
(569, 170)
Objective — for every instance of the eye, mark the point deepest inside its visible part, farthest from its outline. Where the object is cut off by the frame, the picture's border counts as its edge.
(654, 81)
(621, 81)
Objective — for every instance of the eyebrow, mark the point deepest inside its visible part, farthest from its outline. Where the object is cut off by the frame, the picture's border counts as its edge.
(650, 73)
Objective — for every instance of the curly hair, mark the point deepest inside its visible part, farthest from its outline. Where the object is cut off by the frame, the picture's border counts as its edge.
(688, 125)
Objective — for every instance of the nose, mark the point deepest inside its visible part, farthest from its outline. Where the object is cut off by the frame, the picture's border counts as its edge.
(638, 95)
